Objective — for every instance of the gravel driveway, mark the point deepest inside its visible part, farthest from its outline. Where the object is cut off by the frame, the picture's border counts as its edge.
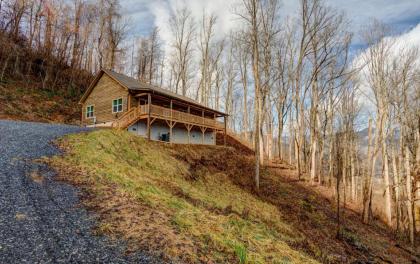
(41, 220)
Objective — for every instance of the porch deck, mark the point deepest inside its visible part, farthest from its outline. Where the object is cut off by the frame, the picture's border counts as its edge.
(170, 116)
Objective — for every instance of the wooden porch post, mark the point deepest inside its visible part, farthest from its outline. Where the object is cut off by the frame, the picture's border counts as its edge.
(215, 129)
(149, 102)
(189, 128)
(225, 132)
(202, 128)
(170, 127)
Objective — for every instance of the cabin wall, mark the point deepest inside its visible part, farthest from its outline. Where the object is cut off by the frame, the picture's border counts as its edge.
(101, 97)
(133, 101)
(179, 134)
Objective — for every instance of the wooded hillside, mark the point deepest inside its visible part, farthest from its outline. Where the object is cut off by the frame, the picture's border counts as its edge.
(49, 54)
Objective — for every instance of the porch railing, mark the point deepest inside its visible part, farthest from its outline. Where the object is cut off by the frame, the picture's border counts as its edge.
(138, 112)
(128, 118)
(165, 113)
(178, 116)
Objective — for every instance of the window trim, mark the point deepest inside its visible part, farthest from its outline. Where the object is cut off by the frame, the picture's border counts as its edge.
(122, 105)
(93, 111)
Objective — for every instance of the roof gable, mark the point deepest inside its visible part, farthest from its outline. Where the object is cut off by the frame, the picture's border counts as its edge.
(135, 85)
(95, 82)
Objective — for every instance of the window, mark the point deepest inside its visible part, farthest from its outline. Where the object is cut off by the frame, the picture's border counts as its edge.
(117, 105)
(89, 111)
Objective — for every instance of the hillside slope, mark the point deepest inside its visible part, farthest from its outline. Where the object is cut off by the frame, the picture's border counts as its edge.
(195, 204)
(25, 100)
(37, 86)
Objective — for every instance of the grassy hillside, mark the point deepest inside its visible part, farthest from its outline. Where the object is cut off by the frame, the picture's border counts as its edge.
(195, 204)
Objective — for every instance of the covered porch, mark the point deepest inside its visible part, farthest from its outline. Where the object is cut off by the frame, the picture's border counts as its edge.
(154, 110)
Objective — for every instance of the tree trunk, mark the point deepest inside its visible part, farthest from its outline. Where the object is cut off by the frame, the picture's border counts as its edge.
(367, 193)
(352, 172)
(257, 143)
(291, 138)
(314, 128)
(387, 193)
(331, 139)
(344, 168)
(313, 159)
(280, 133)
(396, 189)
(245, 109)
(261, 146)
(409, 202)
(297, 156)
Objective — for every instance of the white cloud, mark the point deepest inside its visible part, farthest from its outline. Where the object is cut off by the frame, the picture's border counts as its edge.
(144, 14)
(402, 42)
(410, 38)
(162, 10)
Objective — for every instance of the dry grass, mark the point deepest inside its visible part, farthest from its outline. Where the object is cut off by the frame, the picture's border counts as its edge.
(20, 100)
(20, 216)
(36, 177)
(162, 200)
(195, 204)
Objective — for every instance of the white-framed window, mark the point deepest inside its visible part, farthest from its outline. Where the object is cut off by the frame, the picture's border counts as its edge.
(117, 105)
(90, 111)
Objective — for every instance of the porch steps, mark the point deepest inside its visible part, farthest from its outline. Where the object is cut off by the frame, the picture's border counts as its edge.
(128, 118)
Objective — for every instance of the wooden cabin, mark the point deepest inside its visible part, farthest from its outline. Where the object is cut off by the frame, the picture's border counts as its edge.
(118, 101)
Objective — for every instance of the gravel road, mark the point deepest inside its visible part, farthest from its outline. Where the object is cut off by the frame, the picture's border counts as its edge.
(41, 220)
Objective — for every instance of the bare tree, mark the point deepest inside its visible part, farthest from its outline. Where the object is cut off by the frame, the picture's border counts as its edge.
(205, 46)
(242, 60)
(251, 16)
(149, 57)
(116, 30)
(230, 76)
(377, 72)
(282, 89)
(183, 31)
(403, 83)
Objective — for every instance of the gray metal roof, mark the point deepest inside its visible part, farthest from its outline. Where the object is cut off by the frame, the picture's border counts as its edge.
(135, 85)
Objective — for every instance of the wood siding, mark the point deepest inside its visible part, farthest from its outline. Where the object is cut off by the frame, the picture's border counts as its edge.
(133, 101)
(101, 97)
